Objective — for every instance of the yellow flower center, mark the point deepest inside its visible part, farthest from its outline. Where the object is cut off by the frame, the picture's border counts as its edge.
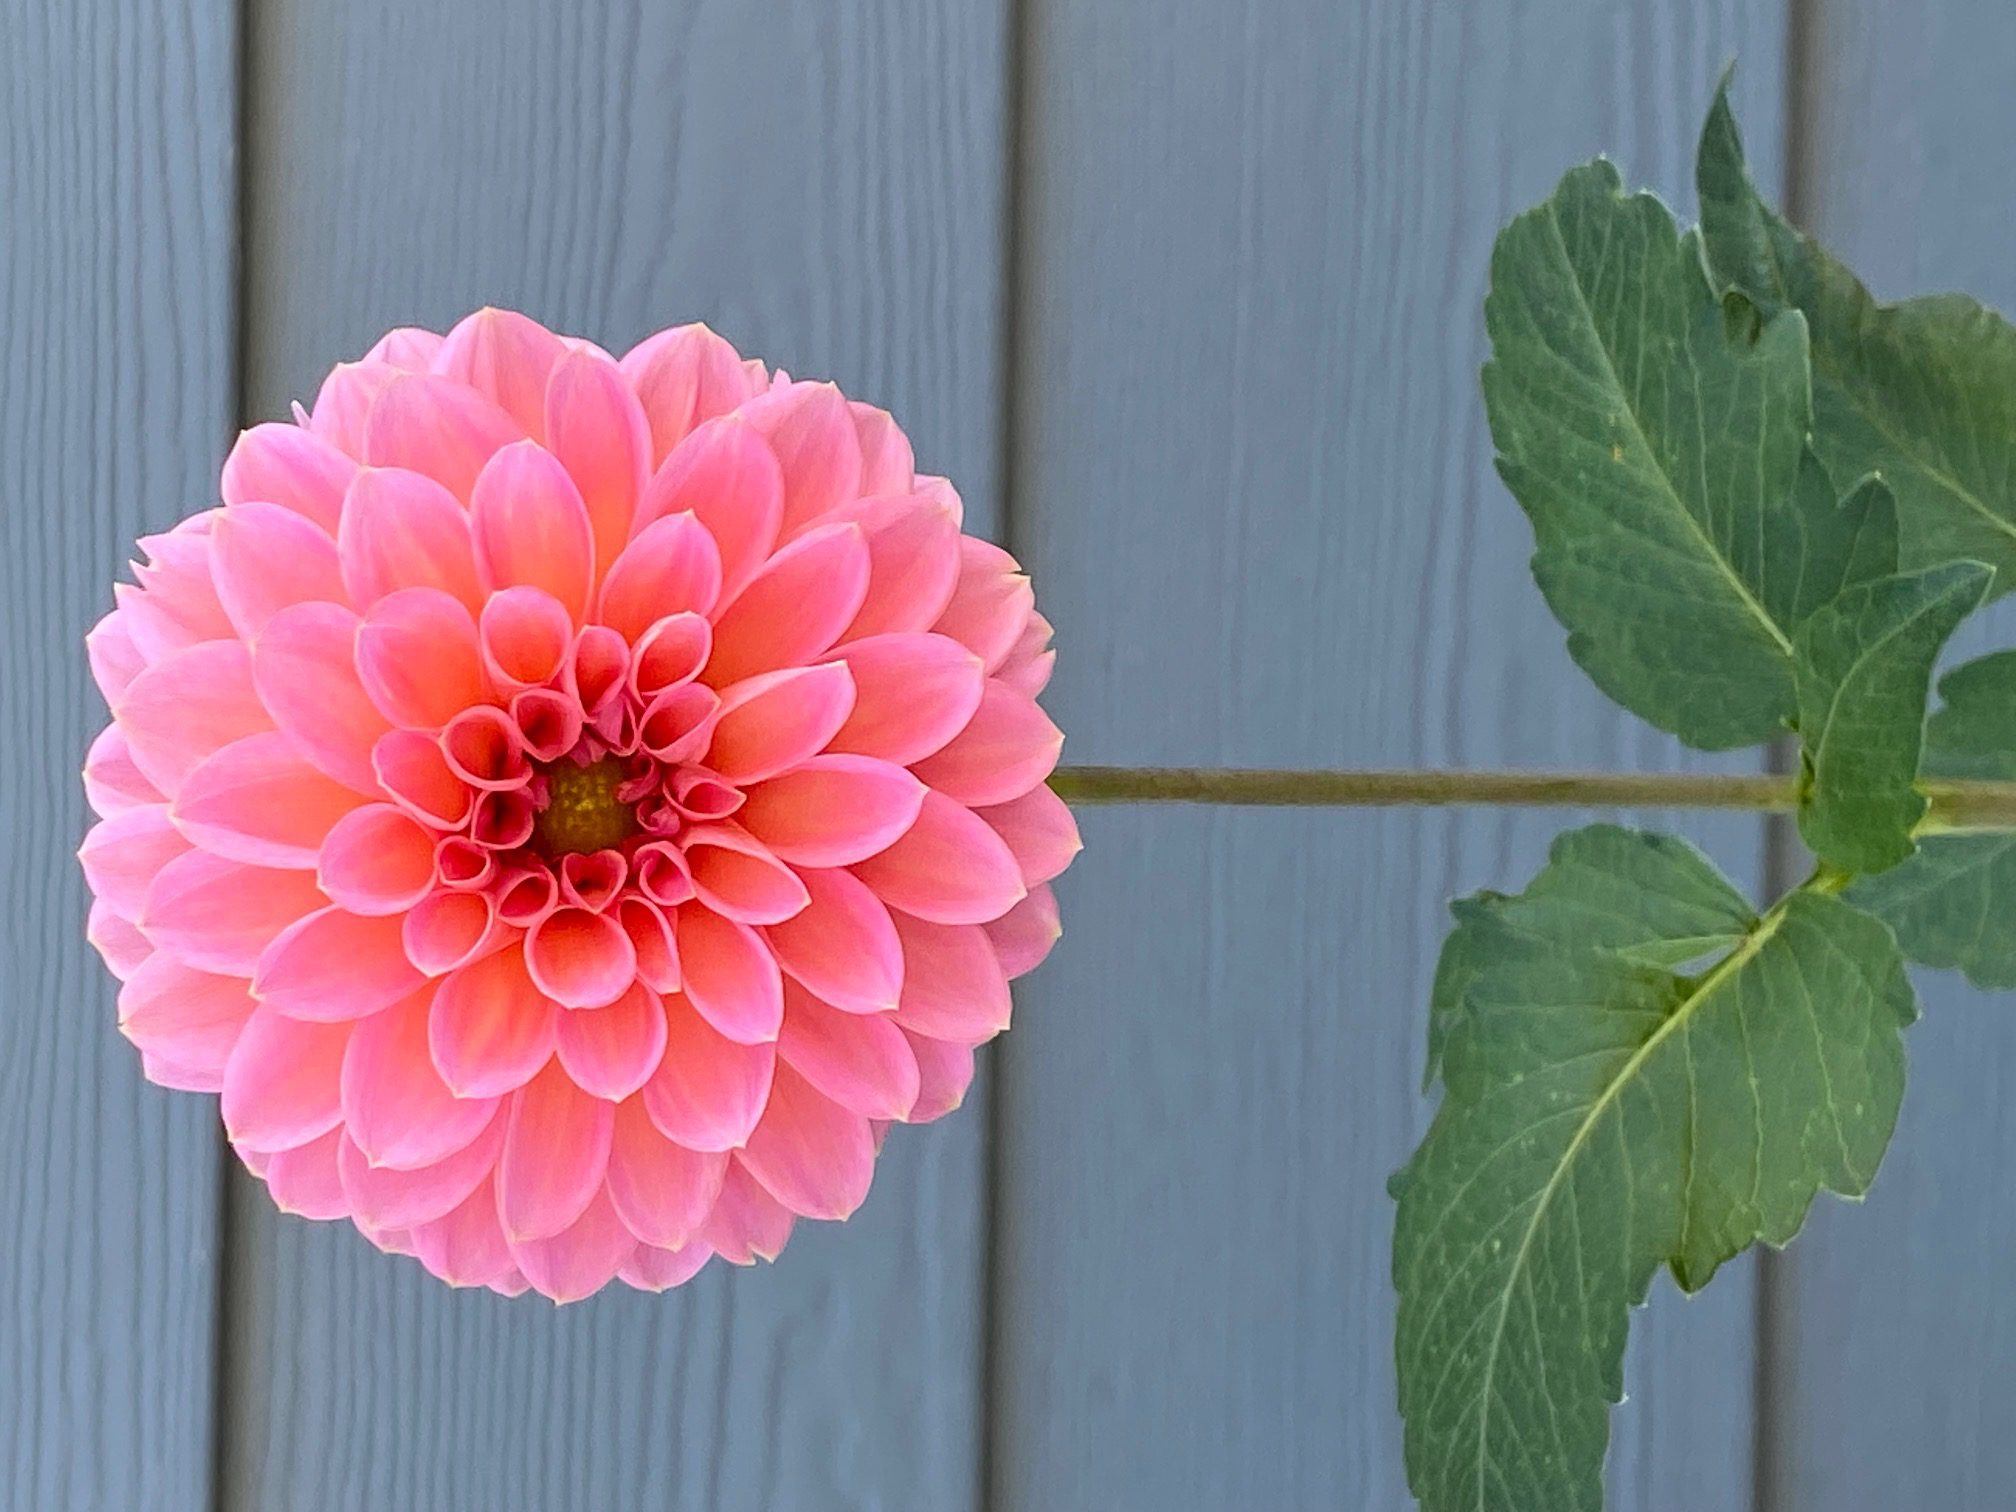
(583, 813)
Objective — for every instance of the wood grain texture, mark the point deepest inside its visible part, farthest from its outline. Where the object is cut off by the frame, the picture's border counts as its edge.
(115, 315)
(1893, 1350)
(1251, 475)
(825, 184)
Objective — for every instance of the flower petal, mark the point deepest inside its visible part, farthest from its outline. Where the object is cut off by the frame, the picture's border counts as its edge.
(184, 1016)
(556, 1152)
(729, 975)
(115, 660)
(118, 942)
(401, 529)
(842, 945)
(912, 694)
(413, 771)
(122, 856)
(448, 930)
(281, 1085)
(1022, 937)
(811, 429)
(888, 465)
(257, 801)
(112, 783)
(777, 720)
(580, 959)
(417, 658)
(747, 1223)
(332, 965)
(597, 430)
(467, 1248)
(651, 936)
(582, 1259)
(685, 377)
(264, 557)
(737, 878)
(286, 465)
(611, 1052)
(808, 1152)
(526, 636)
(396, 1107)
(861, 1061)
(794, 608)
(305, 669)
(305, 1181)
(661, 1190)
(507, 358)
(991, 603)
(673, 565)
(186, 706)
(1039, 830)
(219, 915)
(491, 1028)
(913, 563)
(708, 1090)
(389, 1197)
(656, 1270)
(1009, 747)
(431, 424)
(944, 1072)
(833, 810)
(728, 478)
(531, 528)
(949, 867)
(953, 985)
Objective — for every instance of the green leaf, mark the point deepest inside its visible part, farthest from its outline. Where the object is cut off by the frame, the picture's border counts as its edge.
(1823, 547)
(1953, 904)
(1605, 1115)
(1922, 392)
(1865, 664)
(1655, 454)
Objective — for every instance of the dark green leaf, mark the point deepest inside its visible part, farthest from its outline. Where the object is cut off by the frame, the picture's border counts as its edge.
(1604, 1115)
(1865, 663)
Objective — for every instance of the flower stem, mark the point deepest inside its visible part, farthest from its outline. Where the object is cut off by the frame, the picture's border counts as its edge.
(1954, 805)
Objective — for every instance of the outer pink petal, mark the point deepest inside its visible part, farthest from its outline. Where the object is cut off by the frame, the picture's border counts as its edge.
(834, 810)
(1024, 935)
(651, 935)
(887, 463)
(991, 605)
(265, 557)
(580, 959)
(842, 945)
(729, 975)
(256, 800)
(944, 1073)
(119, 943)
(556, 1152)
(343, 404)
(811, 429)
(397, 1108)
(953, 985)
(448, 930)
(1027, 667)
(418, 659)
(531, 528)
(737, 878)
(184, 707)
(747, 1223)
(657, 1270)
(115, 660)
(122, 856)
(525, 635)
(794, 608)
(861, 1061)
(949, 867)
(777, 720)
(281, 1085)
(412, 348)
(912, 694)
(583, 1259)
(305, 1181)
(673, 565)
(661, 1190)
(219, 915)
(112, 784)
(332, 965)
(436, 426)
(810, 1153)
(385, 1197)
(611, 1052)
(728, 478)
(708, 1090)
(291, 467)
(467, 1248)
(1039, 829)
(685, 377)
(413, 771)
(402, 529)
(491, 1029)
(1008, 748)
(913, 563)
(306, 673)
(599, 433)
(507, 358)
(187, 1017)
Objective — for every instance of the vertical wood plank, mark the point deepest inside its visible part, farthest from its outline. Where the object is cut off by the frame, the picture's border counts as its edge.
(824, 183)
(1252, 478)
(116, 206)
(1893, 1355)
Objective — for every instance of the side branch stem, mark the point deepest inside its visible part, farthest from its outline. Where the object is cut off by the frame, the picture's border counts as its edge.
(1954, 805)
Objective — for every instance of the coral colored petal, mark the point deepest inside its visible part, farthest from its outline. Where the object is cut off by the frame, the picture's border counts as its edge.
(944, 1072)
(747, 1223)
(386, 1197)
(580, 959)
(737, 878)
(189, 1017)
(115, 660)
(1023, 936)
(729, 975)
(775, 721)
(447, 930)
(611, 1052)
(811, 429)
(912, 694)
(507, 358)
(332, 965)
(1027, 666)
(583, 1259)
(861, 1061)
(913, 563)
(118, 942)
(219, 915)
(708, 1091)
(281, 1085)
(413, 771)
(343, 405)
(833, 810)
(657, 1270)
(265, 557)
(491, 1029)
(595, 672)
(305, 1181)
(651, 936)
(673, 565)
(677, 725)
(186, 706)
(402, 529)
(728, 478)
(991, 604)
(556, 1151)
(411, 348)
(888, 465)
(661, 1190)
(671, 652)
(685, 377)
(122, 856)
(842, 945)
(305, 669)
(794, 608)
(467, 1248)
(526, 635)
(286, 465)
(417, 658)
(257, 801)
(1008, 748)
(531, 528)
(953, 985)
(112, 783)
(434, 425)
(811, 1154)
(949, 867)
(597, 430)
(395, 1105)
(1039, 828)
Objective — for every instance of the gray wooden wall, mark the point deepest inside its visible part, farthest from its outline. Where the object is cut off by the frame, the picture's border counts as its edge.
(1185, 293)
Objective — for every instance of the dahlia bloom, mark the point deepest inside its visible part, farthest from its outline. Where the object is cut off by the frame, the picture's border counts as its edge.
(569, 808)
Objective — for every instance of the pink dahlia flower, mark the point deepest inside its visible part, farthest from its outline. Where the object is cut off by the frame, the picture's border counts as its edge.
(568, 808)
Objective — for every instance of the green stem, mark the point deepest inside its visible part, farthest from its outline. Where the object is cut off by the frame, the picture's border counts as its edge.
(1954, 804)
